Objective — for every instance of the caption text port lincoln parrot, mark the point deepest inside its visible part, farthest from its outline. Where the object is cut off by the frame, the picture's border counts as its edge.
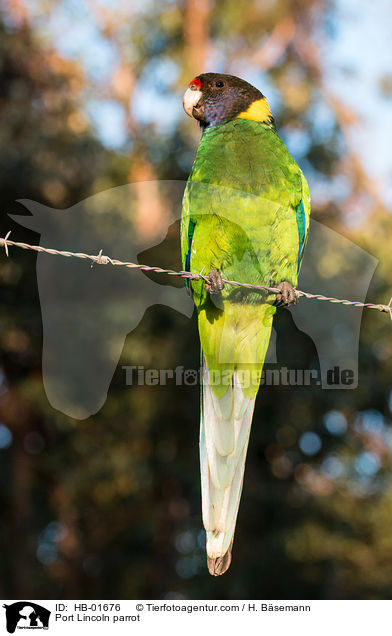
(245, 217)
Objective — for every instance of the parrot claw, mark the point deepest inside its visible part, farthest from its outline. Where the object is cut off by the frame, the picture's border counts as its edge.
(287, 295)
(215, 283)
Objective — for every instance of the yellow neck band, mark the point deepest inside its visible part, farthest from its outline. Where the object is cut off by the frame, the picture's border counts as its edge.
(257, 111)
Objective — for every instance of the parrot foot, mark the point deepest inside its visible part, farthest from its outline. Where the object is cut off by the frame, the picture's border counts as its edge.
(215, 283)
(287, 295)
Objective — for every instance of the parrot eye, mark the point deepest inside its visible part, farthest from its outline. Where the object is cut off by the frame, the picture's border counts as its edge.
(219, 84)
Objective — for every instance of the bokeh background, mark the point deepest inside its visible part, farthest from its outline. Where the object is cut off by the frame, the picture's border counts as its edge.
(109, 507)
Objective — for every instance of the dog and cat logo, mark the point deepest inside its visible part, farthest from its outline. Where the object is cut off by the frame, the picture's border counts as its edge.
(26, 615)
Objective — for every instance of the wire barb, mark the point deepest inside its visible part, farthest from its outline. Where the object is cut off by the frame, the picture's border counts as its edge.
(4, 243)
(389, 308)
(101, 259)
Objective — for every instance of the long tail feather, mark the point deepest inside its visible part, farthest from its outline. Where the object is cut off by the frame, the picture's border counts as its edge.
(224, 435)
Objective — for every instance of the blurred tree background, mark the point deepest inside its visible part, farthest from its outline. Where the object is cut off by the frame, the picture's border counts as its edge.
(109, 507)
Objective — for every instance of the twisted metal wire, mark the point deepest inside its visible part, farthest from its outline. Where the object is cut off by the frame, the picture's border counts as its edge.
(102, 259)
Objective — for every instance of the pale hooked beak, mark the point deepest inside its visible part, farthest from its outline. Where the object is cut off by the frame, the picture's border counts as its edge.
(192, 97)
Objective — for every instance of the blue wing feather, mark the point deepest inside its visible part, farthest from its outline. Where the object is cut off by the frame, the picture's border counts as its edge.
(302, 231)
(191, 230)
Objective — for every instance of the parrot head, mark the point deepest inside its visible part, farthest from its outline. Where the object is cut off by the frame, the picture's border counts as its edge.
(214, 98)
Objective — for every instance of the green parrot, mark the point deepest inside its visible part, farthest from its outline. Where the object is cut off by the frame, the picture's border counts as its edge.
(245, 218)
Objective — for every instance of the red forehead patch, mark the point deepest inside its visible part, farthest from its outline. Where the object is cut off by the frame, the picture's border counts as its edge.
(196, 82)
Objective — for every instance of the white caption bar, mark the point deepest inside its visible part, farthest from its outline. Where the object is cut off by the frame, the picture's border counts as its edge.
(190, 617)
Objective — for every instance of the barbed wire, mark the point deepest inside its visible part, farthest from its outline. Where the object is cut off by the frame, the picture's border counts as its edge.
(102, 259)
